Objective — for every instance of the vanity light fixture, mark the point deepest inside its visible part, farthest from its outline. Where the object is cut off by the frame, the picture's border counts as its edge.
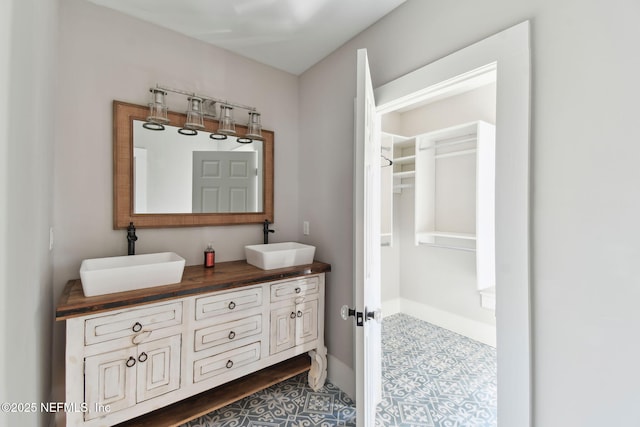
(254, 128)
(157, 110)
(199, 107)
(195, 120)
(226, 125)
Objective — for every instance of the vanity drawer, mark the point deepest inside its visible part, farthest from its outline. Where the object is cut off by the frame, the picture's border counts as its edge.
(294, 288)
(228, 332)
(228, 302)
(226, 362)
(131, 322)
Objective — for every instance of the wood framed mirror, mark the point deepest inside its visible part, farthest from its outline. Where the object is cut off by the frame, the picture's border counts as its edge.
(147, 161)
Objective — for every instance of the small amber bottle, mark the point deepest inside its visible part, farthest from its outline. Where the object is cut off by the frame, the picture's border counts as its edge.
(209, 257)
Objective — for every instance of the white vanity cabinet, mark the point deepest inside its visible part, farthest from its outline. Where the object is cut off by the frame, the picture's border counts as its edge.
(127, 356)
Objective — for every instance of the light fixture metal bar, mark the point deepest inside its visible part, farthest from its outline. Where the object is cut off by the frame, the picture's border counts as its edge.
(207, 97)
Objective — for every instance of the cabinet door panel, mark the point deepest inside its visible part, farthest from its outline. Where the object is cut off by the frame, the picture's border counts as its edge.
(158, 367)
(282, 329)
(306, 322)
(109, 381)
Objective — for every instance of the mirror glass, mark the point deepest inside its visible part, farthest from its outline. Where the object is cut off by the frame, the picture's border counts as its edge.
(176, 173)
(165, 179)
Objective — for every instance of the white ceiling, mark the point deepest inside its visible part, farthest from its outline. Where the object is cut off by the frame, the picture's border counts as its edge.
(290, 35)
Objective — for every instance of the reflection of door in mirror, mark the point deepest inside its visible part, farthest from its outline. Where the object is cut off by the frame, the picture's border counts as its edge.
(224, 181)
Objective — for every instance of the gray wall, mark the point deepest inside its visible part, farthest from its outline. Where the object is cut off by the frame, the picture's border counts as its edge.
(585, 202)
(27, 63)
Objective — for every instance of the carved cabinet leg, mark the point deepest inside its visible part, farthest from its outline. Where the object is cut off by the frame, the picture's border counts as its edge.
(318, 371)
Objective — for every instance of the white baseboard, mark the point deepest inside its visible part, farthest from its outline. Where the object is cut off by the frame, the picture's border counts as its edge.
(391, 307)
(470, 328)
(341, 376)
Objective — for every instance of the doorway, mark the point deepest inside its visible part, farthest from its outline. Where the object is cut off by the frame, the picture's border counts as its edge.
(509, 51)
(438, 330)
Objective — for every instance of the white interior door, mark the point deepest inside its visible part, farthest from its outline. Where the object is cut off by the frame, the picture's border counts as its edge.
(224, 181)
(367, 246)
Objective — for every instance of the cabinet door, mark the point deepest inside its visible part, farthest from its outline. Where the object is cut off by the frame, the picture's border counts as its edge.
(110, 380)
(282, 329)
(306, 322)
(158, 364)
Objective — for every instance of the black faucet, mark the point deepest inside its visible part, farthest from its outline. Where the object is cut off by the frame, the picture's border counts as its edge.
(266, 231)
(131, 238)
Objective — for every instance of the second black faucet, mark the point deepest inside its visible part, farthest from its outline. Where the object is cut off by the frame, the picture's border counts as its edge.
(266, 231)
(131, 239)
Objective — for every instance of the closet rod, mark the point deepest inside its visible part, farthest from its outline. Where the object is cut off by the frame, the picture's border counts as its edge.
(457, 248)
(455, 153)
(470, 138)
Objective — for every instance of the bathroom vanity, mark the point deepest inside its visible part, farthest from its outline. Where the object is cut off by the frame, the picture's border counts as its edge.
(164, 355)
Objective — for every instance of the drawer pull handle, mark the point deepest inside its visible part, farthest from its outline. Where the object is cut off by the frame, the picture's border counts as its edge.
(232, 305)
(298, 290)
(232, 335)
(299, 313)
(137, 339)
(137, 327)
(130, 362)
(229, 364)
(143, 357)
(292, 315)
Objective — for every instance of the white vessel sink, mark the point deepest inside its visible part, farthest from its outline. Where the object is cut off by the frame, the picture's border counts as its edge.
(279, 255)
(101, 276)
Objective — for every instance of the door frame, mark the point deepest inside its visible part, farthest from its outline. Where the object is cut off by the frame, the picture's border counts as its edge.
(509, 51)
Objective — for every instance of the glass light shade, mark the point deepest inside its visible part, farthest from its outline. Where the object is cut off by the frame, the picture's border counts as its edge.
(226, 126)
(157, 110)
(254, 128)
(195, 120)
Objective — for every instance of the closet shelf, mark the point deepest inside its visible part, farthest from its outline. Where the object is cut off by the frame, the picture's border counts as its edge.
(429, 235)
(405, 174)
(404, 160)
(399, 187)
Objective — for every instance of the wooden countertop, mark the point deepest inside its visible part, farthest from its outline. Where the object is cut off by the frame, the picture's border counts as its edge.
(195, 280)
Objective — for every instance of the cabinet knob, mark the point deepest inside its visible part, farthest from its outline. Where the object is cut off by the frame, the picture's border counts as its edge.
(130, 362)
(292, 315)
(232, 335)
(229, 364)
(298, 290)
(137, 327)
(299, 313)
(232, 305)
(143, 357)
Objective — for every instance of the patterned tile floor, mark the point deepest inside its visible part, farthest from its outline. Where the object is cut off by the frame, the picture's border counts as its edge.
(291, 403)
(431, 377)
(434, 377)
